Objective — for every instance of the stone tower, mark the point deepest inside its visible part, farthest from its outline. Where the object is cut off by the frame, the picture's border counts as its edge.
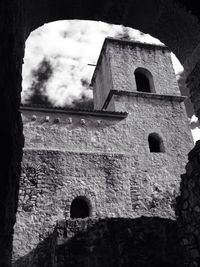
(121, 160)
(130, 67)
(139, 79)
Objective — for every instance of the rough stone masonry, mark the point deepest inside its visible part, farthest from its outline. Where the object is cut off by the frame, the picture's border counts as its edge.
(124, 159)
(174, 22)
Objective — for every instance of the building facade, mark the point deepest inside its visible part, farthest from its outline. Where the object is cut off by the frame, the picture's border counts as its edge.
(123, 159)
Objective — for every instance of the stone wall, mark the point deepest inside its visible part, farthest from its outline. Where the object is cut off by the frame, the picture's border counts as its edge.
(118, 61)
(125, 57)
(176, 27)
(111, 182)
(43, 255)
(113, 133)
(193, 83)
(11, 139)
(102, 80)
(98, 157)
(188, 209)
(52, 179)
(142, 242)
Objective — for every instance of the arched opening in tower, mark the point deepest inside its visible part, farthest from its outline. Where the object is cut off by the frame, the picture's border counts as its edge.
(79, 208)
(142, 82)
(155, 143)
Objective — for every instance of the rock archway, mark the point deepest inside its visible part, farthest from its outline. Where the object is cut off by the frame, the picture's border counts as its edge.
(166, 20)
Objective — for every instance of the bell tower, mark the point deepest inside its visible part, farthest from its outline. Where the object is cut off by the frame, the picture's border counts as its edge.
(130, 67)
(138, 78)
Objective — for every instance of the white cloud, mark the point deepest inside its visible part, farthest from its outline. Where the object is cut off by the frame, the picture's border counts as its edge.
(70, 46)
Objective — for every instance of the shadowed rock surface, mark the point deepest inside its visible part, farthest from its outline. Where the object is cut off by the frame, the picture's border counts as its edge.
(119, 242)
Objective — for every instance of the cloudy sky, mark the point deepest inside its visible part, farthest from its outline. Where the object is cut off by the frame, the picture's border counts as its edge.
(57, 55)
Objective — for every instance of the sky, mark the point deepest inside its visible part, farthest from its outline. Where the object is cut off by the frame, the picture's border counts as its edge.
(57, 55)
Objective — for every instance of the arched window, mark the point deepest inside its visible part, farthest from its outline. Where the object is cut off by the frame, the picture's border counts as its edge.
(79, 208)
(144, 80)
(155, 143)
